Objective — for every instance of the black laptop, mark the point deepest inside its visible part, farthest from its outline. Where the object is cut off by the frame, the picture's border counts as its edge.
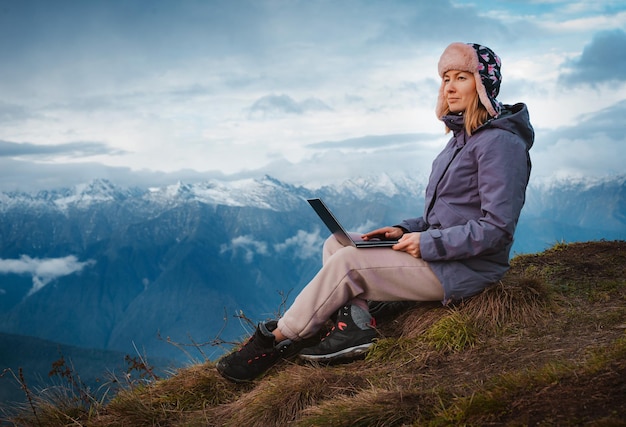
(340, 233)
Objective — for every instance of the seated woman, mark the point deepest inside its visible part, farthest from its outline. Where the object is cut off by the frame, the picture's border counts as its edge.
(460, 245)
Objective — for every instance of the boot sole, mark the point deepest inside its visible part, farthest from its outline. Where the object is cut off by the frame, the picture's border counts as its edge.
(348, 353)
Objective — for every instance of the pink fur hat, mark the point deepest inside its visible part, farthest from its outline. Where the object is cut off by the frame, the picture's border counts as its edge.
(483, 63)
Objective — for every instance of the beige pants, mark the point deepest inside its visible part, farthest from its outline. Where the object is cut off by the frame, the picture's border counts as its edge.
(351, 275)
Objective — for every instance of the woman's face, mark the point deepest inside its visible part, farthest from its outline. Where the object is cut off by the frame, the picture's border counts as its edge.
(459, 90)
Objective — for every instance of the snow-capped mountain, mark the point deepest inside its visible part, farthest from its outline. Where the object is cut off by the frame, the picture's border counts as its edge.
(109, 267)
(116, 268)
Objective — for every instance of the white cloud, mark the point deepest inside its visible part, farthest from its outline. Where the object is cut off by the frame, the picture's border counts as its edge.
(246, 245)
(303, 245)
(596, 22)
(43, 270)
(579, 158)
(183, 86)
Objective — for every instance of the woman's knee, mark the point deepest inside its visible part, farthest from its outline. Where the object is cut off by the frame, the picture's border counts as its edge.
(347, 257)
(331, 245)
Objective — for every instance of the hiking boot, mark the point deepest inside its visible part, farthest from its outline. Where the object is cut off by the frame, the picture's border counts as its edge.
(259, 354)
(256, 356)
(351, 337)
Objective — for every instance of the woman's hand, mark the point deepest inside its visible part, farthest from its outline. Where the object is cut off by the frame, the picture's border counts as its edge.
(409, 243)
(385, 233)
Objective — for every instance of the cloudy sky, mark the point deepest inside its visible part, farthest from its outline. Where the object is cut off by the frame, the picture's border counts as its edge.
(147, 92)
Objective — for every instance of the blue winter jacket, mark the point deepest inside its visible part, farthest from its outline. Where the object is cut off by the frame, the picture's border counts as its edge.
(474, 196)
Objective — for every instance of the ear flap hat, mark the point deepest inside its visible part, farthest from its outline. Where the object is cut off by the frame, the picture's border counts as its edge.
(483, 63)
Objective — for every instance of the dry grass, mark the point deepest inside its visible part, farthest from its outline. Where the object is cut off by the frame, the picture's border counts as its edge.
(370, 407)
(546, 346)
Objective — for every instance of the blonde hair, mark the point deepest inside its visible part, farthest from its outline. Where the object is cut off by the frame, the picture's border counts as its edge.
(475, 114)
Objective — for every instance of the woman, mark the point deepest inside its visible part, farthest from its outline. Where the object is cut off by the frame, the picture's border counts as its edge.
(460, 246)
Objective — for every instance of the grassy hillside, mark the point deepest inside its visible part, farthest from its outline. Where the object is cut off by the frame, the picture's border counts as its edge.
(546, 346)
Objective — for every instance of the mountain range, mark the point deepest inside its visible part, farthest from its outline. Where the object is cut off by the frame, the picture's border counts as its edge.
(174, 271)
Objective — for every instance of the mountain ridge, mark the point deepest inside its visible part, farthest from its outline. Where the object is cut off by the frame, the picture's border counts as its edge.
(178, 260)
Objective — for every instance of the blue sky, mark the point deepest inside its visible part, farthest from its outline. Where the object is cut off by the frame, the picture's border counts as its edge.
(155, 91)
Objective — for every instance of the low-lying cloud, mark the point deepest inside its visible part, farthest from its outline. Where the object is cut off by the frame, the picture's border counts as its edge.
(43, 270)
(303, 245)
(72, 149)
(376, 141)
(247, 246)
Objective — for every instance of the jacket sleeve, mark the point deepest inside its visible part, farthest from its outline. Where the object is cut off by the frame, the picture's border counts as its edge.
(503, 170)
(413, 224)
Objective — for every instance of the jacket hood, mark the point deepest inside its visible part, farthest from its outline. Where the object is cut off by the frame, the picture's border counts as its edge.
(515, 119)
